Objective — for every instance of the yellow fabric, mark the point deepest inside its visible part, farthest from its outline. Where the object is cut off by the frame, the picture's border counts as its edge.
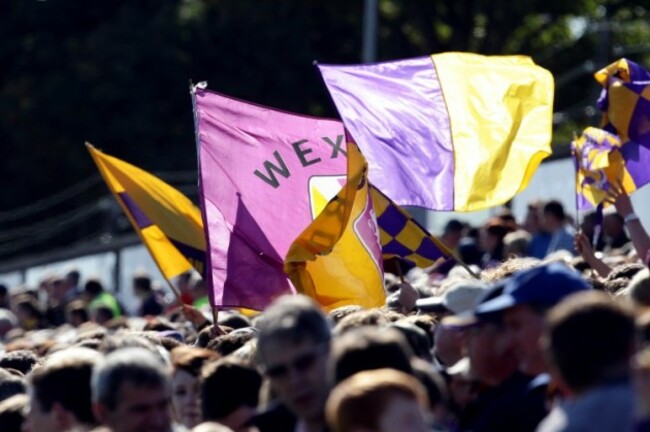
(329, 261)
(173, 215)
(501, 112)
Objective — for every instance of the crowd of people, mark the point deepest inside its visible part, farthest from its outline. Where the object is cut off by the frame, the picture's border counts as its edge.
(542, 329)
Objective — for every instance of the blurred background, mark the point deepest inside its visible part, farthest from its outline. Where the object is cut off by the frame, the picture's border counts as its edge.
(115, 73)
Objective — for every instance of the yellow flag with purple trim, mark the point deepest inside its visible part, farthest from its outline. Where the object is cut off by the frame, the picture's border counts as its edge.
(337, 259)
(168, 223)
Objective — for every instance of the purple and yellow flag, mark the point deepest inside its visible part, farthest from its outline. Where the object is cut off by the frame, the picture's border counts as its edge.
(451, 131)
(337, 259)
(599, 164)
(167, 222)
(625, 101)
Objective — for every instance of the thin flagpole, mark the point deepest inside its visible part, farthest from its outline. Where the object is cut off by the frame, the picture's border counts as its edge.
(207, 275)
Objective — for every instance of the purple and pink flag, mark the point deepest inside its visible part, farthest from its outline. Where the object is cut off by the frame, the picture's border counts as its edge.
(264, 174)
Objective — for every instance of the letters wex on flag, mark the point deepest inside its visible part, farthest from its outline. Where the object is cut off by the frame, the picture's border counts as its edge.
(262, 173)
(337, 259)
(455, 131)
(168, 223)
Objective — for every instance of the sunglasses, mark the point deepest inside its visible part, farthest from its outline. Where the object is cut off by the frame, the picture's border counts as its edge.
(299, 364)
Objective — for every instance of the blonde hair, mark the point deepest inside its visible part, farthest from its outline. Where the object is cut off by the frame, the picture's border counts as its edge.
(360, 400)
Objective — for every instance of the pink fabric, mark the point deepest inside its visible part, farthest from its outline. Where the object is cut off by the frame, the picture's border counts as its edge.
(255, 164)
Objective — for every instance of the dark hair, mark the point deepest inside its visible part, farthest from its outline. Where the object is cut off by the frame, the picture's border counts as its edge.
(12, 413)
(65, 379)
(433, 382)
(293, 318)
(416, 338)
(158, 324)
(74, 276)
(3, 289)
(93, 287)
(134, 365)
(589, 339)
(142, 282)
(369, 348)
(234, 320)
(626, 271)
(227, 385)
(11, 384)
(232, 341)
(363, 318)
(21, 360)
(556, 209)
(336, 315)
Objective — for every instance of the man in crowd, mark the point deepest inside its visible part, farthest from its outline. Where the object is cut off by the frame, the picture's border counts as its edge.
(294, 345)
(60, 396)
(589, 340)
(131, 392)
(555, 223)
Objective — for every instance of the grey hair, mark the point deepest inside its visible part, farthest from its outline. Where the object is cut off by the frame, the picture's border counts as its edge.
(293, 318)
(135, 365)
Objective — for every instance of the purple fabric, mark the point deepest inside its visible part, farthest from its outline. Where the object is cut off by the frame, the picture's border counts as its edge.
(255, 167)
(637, 162)
(397, 114)
(138, 215)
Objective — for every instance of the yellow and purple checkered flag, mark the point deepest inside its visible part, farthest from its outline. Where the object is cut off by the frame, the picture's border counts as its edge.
(402, 236)
(625, 101)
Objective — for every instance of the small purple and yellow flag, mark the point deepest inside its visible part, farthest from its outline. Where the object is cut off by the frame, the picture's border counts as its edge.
(625, 101)
(168, 223)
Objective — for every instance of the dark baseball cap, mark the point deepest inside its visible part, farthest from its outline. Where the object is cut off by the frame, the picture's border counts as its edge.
(543, 285)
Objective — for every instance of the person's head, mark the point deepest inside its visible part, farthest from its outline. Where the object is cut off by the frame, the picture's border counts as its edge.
(532, 222)
(60, 396)
(516, 243)
(58, 288)
(142, 285)
(231, 342)
(458, 296)
(638, 290)
(8, 322)
(491, 236)
(362, 318)
(553, 216)
(336, 315)
(236, 406)
(369, 348)
(417, 339)
(436, 388)
(28, 312)
(525, 299)
(12, 382)
(382, 400)
(131, 391)
(76, 313)
(4, 296)
(613, 225)
(452, 233)
(93, 288)
(21, 360)
(187, 363)
(589, 340)
(234, 320)
(72, 278)
(293, 346)
(12, 413)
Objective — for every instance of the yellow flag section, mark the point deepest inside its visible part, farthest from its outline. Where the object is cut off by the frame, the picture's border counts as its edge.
(501, 111)
(167, 222)
(337, 260)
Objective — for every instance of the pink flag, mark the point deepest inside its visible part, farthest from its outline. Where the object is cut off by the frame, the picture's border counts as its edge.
(264, 175)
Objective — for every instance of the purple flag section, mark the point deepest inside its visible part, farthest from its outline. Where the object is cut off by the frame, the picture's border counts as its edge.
(255, 169)
(409, 151)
